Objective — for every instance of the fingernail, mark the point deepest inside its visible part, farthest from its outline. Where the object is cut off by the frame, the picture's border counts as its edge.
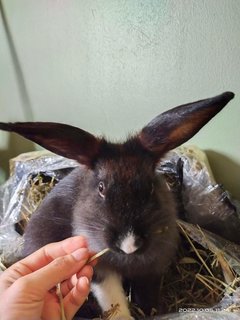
(81, 254)
(84, 281)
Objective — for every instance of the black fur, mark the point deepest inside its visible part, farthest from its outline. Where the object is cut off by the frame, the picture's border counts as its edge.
(117, 190)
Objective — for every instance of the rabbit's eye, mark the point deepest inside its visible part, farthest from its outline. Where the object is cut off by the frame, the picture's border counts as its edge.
(101, 189)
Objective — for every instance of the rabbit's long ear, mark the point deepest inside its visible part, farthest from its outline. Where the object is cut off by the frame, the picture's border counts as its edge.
(65, 140)
(174, 127)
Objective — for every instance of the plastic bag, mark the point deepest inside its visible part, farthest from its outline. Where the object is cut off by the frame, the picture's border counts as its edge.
(187, 173)
(14, 198)
(201, 200)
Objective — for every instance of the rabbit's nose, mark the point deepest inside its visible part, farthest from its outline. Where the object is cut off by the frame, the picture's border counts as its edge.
(130, 243)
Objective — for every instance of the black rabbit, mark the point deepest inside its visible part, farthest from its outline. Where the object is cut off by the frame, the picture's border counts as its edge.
(116, 200)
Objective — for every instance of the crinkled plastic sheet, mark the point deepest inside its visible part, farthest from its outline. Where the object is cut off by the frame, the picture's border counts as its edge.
(200, 201)
(12, 196)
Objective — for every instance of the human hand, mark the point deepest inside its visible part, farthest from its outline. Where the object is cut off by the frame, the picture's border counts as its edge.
(28, 287)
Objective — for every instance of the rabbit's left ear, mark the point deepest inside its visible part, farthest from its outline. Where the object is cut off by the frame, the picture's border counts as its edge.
(174, 127)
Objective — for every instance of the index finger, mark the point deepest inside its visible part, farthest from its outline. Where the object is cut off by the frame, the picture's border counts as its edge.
(47, 254)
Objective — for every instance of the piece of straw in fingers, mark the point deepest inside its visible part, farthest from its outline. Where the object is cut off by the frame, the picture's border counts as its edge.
(59, 294)
(99, 254)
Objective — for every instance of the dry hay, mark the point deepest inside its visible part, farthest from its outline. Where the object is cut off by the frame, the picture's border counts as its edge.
(198, 279)
(38, 187)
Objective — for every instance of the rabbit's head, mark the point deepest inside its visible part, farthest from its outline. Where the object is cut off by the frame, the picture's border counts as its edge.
(130, 207)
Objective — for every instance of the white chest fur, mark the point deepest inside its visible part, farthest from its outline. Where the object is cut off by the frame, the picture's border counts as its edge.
(109, 293)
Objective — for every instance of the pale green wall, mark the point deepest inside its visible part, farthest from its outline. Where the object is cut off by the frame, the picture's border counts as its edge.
(110, 66)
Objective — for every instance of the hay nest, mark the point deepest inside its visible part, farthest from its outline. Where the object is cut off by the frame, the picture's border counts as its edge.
(199, 277)
(38, 187)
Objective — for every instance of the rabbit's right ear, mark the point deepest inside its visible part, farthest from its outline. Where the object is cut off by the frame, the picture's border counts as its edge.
(175, 126)
(65, 140)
